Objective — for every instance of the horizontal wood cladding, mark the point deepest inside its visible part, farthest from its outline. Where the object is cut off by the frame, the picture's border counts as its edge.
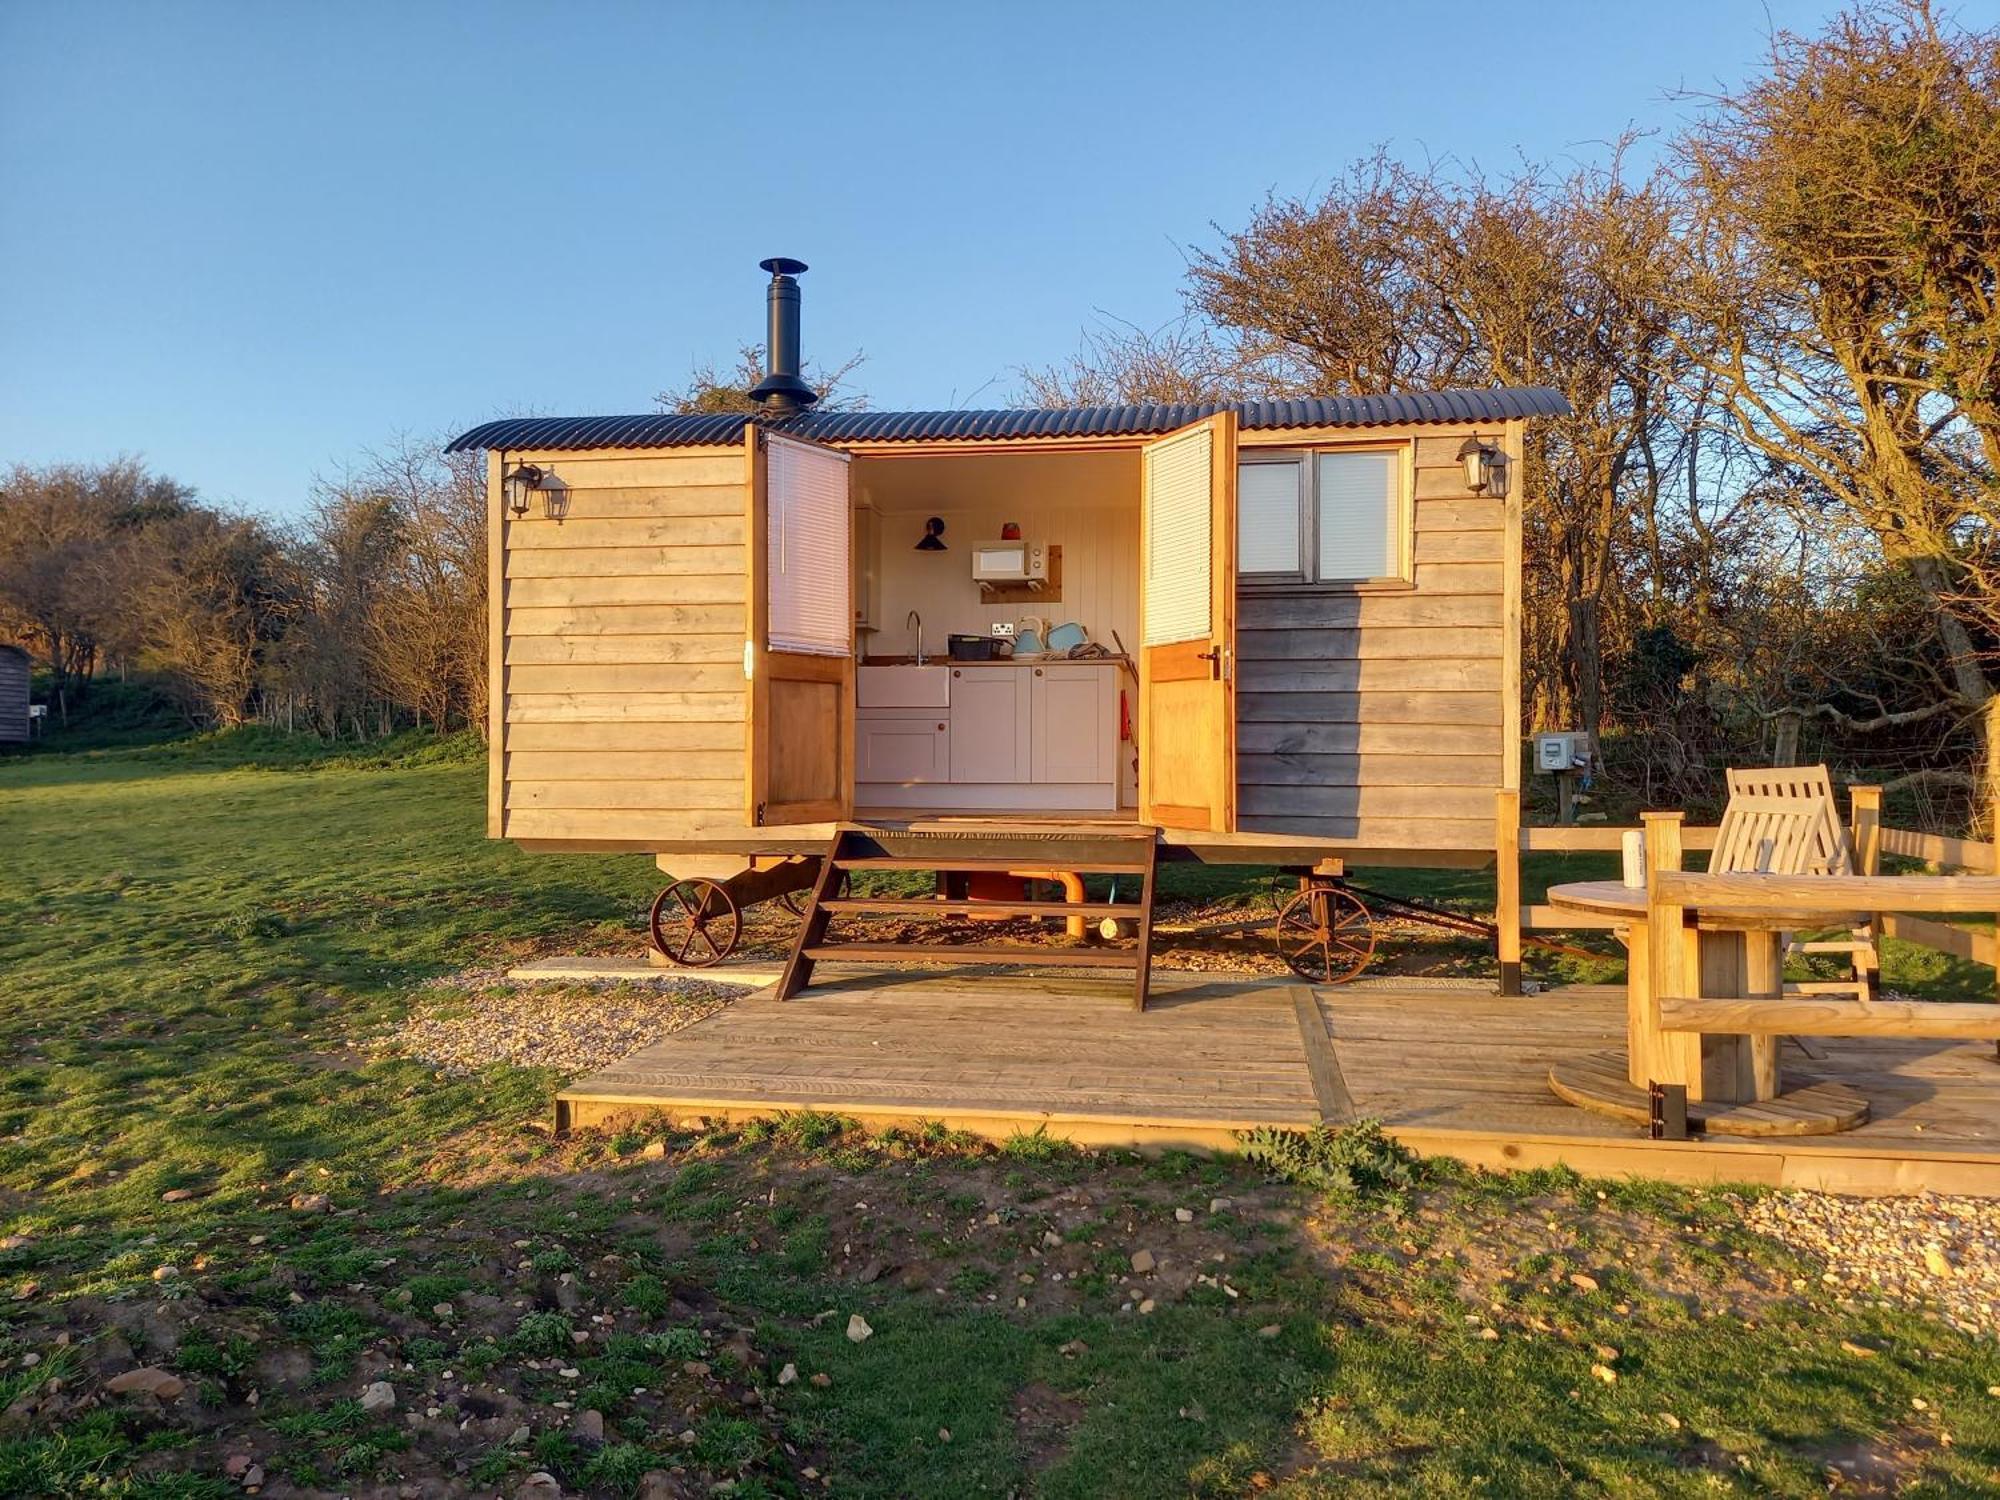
(532, 650)
(657, 502)
(1374, 716)
(627, 677)
(1383, 643)
(1343, 609)
(1399, 834)
(671, 736)
(679, 468)
(1372, 738)
(641, 795)
(644, 619)
(1307, 709)
(1331, 675)
(626, 562)
(1304, 768)
(1363, 802)
(719, 764)
(647, 828)
(1459, 513)
(1458, 547)
(538, 534)
(622, 651)
(615, 708)
(591, 593)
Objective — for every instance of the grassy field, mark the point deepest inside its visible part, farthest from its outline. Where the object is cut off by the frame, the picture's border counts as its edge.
(368, 1277)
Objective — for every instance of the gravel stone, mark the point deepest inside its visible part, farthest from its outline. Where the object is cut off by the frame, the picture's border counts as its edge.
(1925, 1251)
(571, 1028)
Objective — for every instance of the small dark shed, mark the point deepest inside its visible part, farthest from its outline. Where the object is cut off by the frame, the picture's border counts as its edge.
(14, 665)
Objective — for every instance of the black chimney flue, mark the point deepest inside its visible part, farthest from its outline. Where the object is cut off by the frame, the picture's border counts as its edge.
(781, 390)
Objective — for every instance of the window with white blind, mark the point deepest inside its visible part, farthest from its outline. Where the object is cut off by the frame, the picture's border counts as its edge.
(1335, 516)
(809, 578)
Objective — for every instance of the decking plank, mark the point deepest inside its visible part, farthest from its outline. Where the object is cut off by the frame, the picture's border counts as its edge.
(1446, 1069)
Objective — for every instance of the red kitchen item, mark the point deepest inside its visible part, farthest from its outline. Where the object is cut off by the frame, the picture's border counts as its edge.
(1011, 532)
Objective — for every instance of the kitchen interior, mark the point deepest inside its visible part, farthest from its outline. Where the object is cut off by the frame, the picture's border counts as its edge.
(996, 598)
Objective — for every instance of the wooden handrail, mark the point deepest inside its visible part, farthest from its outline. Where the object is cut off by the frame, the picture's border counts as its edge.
(1950, 1020)
(1937, 848)
(1835, 895)
(1597, 839)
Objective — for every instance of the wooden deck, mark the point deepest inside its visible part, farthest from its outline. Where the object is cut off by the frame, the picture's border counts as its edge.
(1458, 1072)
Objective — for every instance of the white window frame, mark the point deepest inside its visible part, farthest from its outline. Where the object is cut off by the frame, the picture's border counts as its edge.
(1306, 576)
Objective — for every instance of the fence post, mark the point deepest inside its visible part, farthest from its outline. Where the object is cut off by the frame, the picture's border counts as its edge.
(1507, 879)
(1662, 964)
(1507, 900)
(1865, 833)
(1993, 813)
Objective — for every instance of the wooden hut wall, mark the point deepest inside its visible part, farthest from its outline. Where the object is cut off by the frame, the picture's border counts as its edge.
(14, 668)
(618, 637)
(1384, 715)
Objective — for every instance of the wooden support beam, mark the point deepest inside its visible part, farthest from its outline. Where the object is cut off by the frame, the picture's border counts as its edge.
(1507, 874)
(1669, 952)
(1897, 1018)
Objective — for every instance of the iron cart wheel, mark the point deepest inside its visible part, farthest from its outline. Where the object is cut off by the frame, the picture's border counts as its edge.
(795, 901)
(696, 923)
(1325, 934)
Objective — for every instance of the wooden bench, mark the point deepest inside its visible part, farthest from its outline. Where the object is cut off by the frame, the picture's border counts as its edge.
(1782, 820)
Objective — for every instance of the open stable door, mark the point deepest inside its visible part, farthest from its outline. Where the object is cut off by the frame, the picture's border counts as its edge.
(1187, 607)
(799, 655)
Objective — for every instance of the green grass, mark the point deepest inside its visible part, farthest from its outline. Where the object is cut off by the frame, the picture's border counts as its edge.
(199, 939)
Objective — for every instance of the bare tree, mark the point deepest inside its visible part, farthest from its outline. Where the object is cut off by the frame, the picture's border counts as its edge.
(709, 389)
(1400, 277)
(67, 535)
(1118, 362)
(1846, 245)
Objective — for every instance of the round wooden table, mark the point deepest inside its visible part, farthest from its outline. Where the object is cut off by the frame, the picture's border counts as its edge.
(1734, 1083)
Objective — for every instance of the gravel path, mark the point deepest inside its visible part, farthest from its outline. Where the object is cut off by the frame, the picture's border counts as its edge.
(1925, 1251)
(573, 1028)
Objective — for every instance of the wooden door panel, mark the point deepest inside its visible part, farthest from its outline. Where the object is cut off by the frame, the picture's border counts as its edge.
(1187, 710)
(801, 730)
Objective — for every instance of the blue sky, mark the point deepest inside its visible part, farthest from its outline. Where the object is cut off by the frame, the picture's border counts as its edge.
(247, 241)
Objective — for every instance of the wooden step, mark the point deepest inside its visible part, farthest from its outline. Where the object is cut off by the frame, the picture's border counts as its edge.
(1043, 859)
(933, 908)
(984, 953)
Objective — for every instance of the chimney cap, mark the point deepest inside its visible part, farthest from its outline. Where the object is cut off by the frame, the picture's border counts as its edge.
(782, 265)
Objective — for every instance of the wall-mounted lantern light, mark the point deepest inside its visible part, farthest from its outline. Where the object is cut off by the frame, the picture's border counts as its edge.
(521, 481)
(525, 479)
(1485, 468)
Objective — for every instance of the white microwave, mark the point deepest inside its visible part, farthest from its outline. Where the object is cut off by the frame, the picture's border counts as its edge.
(1009, 562)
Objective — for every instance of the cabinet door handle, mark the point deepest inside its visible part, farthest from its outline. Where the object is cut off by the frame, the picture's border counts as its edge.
(1038, 671)
(956, 673)
(941, 729)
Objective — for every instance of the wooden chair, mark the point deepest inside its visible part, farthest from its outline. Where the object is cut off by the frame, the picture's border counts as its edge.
(1782, 820)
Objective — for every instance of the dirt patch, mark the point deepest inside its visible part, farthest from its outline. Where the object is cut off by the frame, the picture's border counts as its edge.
(1043, 1419)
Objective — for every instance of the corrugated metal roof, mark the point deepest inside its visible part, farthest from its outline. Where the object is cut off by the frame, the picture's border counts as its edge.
(671, 430)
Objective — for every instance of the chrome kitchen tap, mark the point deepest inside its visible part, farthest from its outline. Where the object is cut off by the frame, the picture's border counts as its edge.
(916, 623)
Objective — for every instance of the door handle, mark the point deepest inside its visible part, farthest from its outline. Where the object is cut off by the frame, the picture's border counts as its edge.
(1214, 660)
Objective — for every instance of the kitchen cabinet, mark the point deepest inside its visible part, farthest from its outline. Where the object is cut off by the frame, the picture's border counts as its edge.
(990, 730)
(1026, 736)
(902, 687)
(1073, 717)
(900, 749)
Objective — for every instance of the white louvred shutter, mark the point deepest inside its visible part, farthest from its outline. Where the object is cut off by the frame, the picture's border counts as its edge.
(1179, 548)
(811, 580)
